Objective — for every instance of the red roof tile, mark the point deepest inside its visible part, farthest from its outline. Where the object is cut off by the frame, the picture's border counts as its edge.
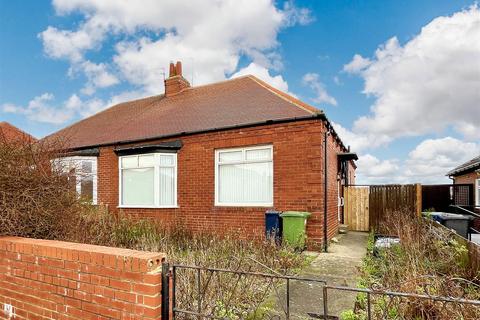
(237, 102)
(11, 133)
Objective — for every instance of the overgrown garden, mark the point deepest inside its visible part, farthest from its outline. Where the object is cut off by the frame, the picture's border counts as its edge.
(38, 200)
(429, 260)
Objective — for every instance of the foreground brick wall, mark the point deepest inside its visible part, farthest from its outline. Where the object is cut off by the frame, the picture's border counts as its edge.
(44, 279)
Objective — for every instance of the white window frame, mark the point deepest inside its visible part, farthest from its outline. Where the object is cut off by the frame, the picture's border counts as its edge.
(76, 161)
(217, 176)
(156, 179)
(477, 192)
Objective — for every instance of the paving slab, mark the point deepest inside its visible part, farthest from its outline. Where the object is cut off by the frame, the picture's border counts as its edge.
(338, 267)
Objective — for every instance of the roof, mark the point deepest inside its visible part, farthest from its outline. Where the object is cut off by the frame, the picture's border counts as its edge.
(11, 133)
(228, 104)
(468, 166)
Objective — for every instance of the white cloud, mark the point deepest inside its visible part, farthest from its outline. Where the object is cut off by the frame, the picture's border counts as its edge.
(41, 109)
(98, 76)
(357, 64)
(433, 158)
(263, 74)
(312, 80)
(70, 45)
(360, 142)
(209, 37)
(427, 163)
(430, 83)
(371, 170)
(295, 15)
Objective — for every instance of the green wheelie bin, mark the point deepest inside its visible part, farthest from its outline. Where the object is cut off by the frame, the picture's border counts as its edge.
(294, 228)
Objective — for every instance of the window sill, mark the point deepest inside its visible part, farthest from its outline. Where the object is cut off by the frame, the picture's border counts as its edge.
(147, 207)
(244, 205)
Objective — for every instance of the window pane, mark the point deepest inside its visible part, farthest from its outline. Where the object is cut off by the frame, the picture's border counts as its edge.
(86, 189)
(146, 161)
(230, 183)
(87, 167)
(230, 156)
(167, 186)
(137, 186)
(130, 162)
(259, 154)
(258, 182)
(167, 160)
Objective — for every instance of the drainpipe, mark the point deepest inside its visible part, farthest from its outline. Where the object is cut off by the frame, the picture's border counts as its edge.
(325, 189)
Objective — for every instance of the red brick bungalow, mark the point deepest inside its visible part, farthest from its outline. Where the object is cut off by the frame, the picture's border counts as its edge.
(469, 173)
(10, 133)
(214, 157)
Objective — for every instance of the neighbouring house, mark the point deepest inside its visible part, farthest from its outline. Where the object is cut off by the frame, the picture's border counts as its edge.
(469, 173)
(10, 133)
(213, 157)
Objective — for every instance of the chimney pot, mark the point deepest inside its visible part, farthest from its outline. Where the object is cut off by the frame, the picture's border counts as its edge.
(178, 68)
(171, 72)
(175, 83)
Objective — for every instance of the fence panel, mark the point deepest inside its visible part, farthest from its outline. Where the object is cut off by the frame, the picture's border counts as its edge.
(384, 199)
(441, 196)
(356, 208)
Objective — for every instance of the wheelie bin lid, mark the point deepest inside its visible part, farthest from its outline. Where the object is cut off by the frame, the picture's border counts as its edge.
(274, 212)
(298, 214)
(447, 216)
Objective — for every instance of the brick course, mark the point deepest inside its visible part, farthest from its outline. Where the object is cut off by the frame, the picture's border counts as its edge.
(468, 178)
(46, 279)
(298, 179)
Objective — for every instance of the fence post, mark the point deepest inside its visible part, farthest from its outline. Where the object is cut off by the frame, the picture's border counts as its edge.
(419, 199)
(165, 291)
(325, 303)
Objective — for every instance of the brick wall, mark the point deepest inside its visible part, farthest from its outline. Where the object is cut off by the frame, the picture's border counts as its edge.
(298, 179)
(44, 279)
(469, 178)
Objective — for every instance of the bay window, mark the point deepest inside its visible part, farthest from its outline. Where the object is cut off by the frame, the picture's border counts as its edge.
(148, 180)
(244, 176)
(81, 173)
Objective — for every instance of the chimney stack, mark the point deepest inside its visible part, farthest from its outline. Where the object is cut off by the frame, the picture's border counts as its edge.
(175, 83)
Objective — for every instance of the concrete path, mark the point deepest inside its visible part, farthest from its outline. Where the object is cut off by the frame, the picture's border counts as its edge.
(337, 267)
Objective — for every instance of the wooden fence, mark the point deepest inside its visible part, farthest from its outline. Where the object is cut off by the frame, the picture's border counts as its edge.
(366, 207)
(385, 199)
(440, 197)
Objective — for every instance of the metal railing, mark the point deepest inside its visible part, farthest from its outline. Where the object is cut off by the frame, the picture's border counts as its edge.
(370, 292)
(202, 282)
(199, 302)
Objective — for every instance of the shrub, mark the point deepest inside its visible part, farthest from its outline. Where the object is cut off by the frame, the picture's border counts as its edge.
(428, 260)
(34, 201)
(38, 201)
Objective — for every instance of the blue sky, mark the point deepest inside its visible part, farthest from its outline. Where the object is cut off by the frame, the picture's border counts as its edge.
(416, 62)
